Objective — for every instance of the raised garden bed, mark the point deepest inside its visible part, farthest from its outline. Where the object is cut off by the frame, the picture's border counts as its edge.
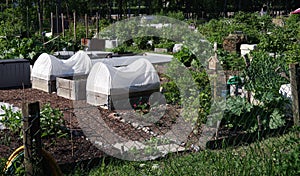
(72, 87)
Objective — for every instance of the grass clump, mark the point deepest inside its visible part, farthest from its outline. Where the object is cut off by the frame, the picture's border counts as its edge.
(273, 156)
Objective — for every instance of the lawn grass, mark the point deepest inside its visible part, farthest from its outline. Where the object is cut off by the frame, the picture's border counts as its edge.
(273, 156)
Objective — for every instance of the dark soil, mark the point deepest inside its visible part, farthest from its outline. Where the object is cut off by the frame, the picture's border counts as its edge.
(73, 148)
(76, 147)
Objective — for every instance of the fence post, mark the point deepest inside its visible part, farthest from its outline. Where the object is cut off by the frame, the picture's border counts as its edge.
(62, 25)
(32, 138)
(86, 26)
(40, 23)
(74, 16)
(295, 85)
(52, 24)
(97, 23)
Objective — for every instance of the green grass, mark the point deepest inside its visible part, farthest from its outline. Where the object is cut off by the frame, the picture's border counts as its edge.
(273, 156)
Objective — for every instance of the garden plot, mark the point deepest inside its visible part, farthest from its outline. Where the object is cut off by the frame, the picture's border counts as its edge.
(47, 68)
(110, 87)
(128, 133)
(73, 87)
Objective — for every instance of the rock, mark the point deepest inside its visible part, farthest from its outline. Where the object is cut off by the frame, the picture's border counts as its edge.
(135, 125)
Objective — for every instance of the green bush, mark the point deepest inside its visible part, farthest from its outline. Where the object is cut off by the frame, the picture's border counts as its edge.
(188, 85)
(51, 122)
(262, 78)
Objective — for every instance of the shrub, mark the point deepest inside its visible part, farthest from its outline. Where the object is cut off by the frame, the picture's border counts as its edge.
(51, 121)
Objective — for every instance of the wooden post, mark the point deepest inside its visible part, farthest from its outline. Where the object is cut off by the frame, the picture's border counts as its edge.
(52, 30)
(40, 23)
(62, 25)
(32, 138)
(295, 85)
(86, 26)
(27, 22)
(215, 72)
(74, 16)
(57, 19)
(97, 23)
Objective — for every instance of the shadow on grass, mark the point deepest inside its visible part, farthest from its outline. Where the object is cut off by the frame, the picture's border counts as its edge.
(243, 138)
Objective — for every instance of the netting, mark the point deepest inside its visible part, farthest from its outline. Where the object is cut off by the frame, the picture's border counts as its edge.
(258, 130)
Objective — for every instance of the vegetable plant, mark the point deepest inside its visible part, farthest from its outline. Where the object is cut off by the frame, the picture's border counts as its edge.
(51, 121)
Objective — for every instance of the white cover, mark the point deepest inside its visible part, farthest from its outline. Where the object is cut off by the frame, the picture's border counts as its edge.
(138, 75)
(285, 90)
(48, 67)
(126, 60)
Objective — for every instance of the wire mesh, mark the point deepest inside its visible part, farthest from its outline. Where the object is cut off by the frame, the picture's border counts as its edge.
(257, 124)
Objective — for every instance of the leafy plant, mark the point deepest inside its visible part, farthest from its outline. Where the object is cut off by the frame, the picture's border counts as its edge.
(51, 121)
(188, 85)
(276, 119)
(185, 56)
(239, 114)
(230, 61)
(141, 106)
(263, 79)
(165, 44)
(171, 92)
(2, 165)
(11, 119)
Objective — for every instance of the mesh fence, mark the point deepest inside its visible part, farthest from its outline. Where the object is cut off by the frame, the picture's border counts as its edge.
(257, 134)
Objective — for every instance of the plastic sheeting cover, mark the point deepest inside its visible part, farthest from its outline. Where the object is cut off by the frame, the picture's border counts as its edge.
(47, 66)
(103, 78)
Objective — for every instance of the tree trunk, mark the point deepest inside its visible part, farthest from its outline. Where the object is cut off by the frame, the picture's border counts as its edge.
(120, 9)
(139, 7)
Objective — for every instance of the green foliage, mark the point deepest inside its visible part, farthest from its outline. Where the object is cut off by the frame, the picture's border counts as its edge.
(238, 106)
(188, 85)
(28, 48)
(171, 14)
(276, 119)
(262, 78)
(51, 121)
(292, 23)
(274, 156)
(276, 42)
(185, 56)
(165, 44)
(171, 92)
(103, 23)
(2, 165)
(239, 114)
(293, 53)
(230, 61)
(11, 119)
(251, 24)
(11, 24)
(215, 30)
(142, 43)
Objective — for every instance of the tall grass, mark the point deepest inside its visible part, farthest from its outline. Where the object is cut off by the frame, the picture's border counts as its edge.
(273, 156)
